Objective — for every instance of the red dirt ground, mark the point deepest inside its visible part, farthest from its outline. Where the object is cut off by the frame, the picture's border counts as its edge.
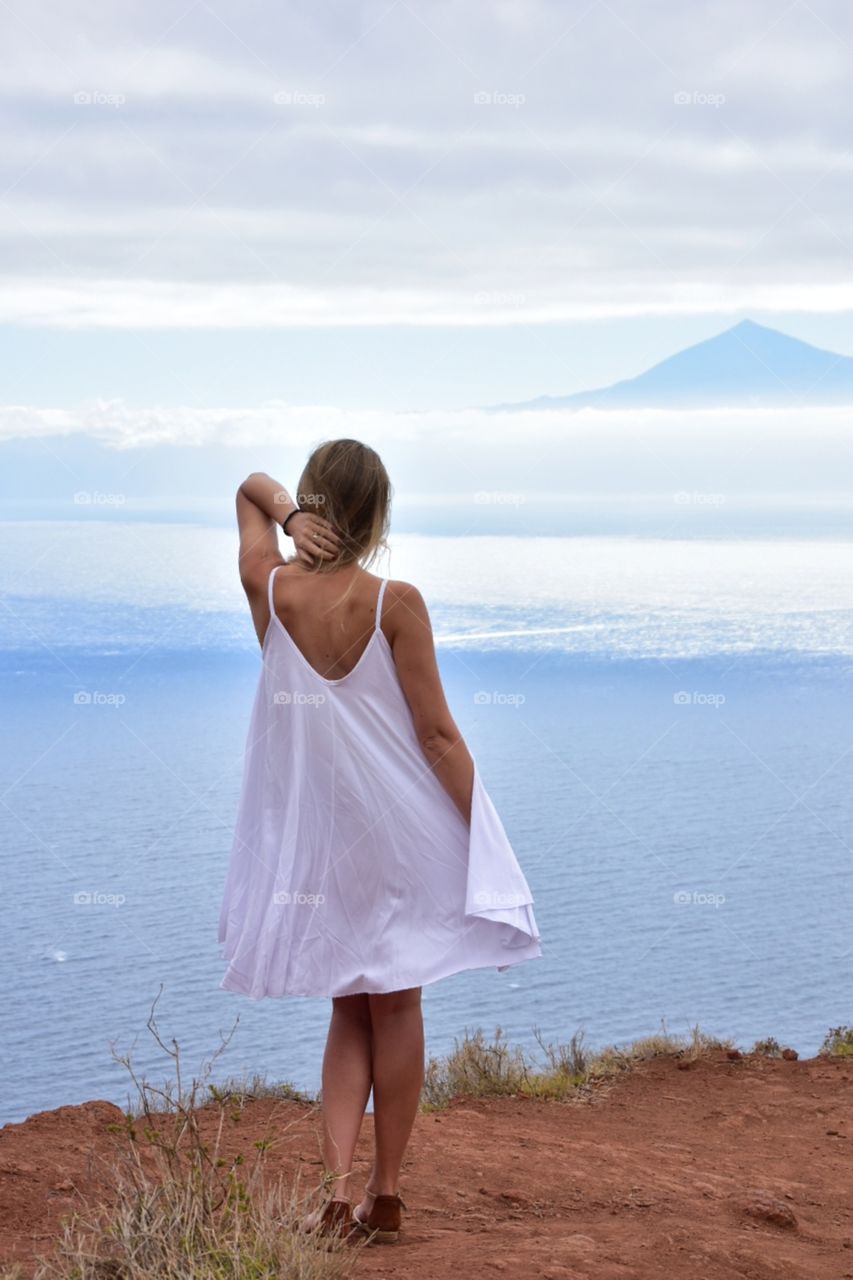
(726, 1169)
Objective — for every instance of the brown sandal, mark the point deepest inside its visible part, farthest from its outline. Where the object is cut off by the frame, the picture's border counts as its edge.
(335, 1220)
(382, 1224)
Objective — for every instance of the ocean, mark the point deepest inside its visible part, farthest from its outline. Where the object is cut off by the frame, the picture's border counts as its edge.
(662, 723)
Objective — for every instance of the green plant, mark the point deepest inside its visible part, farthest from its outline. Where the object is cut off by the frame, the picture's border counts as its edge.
(257, 1086)
(769, 1048)
(837, 1043)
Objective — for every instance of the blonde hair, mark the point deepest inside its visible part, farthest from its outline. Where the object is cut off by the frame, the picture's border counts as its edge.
(346, 483)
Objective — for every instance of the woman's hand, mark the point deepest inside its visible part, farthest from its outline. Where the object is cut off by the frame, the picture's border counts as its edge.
(260, 504)
(313, 537)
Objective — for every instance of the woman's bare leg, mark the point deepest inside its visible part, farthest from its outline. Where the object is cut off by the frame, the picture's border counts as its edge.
(346, 1086)
(398, 1073)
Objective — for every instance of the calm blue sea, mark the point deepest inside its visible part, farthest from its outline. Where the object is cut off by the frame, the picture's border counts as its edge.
(663, 724)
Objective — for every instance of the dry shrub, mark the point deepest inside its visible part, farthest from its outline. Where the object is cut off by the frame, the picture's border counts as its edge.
(567, 1072)
(189, 1201)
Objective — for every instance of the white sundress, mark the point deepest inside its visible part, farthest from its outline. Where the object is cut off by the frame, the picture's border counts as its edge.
(351, 869)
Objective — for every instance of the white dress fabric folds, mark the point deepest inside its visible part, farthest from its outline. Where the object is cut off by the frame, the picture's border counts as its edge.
(351, 869)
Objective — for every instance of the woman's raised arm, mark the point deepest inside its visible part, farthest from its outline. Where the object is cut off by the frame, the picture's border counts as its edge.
(262, 506)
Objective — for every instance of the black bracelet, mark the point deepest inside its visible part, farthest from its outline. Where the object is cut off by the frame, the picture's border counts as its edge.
(290, 516)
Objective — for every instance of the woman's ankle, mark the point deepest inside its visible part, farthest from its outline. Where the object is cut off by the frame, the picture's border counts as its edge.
(384, 1189)
(375, 1190)
(337, 1187)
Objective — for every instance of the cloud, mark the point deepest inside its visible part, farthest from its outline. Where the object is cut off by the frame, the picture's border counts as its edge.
(140, 304)
(390, 163)
(584, 453)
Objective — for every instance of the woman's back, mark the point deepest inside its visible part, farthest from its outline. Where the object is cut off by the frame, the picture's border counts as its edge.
(329, 617)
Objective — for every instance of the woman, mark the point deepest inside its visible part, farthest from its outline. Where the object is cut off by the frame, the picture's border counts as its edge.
(368, 858)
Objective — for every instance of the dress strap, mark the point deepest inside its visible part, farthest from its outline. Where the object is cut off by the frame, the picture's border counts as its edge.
(382, 587)
(270, 586)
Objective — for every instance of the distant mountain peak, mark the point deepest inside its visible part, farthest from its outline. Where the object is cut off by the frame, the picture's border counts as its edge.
(748, 364)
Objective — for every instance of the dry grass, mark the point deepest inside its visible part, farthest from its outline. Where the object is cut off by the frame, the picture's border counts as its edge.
(477, 1067)
(189, 1201)
(161, 1228)
(483, 1068)
(663, 1044)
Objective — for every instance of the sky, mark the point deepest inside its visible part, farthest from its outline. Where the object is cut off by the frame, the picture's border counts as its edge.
(230, 231)
(395, 207)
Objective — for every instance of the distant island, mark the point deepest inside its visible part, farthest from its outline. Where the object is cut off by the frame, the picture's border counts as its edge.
(747, 365)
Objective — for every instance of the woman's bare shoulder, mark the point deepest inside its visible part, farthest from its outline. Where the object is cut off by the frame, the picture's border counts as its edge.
(404, 612)
(401, 593)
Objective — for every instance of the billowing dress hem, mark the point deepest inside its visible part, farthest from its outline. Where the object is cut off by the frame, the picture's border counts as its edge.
(232, 984)
(496, 892)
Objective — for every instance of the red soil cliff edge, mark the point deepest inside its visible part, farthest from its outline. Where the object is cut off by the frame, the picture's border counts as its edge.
(725, 1169)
